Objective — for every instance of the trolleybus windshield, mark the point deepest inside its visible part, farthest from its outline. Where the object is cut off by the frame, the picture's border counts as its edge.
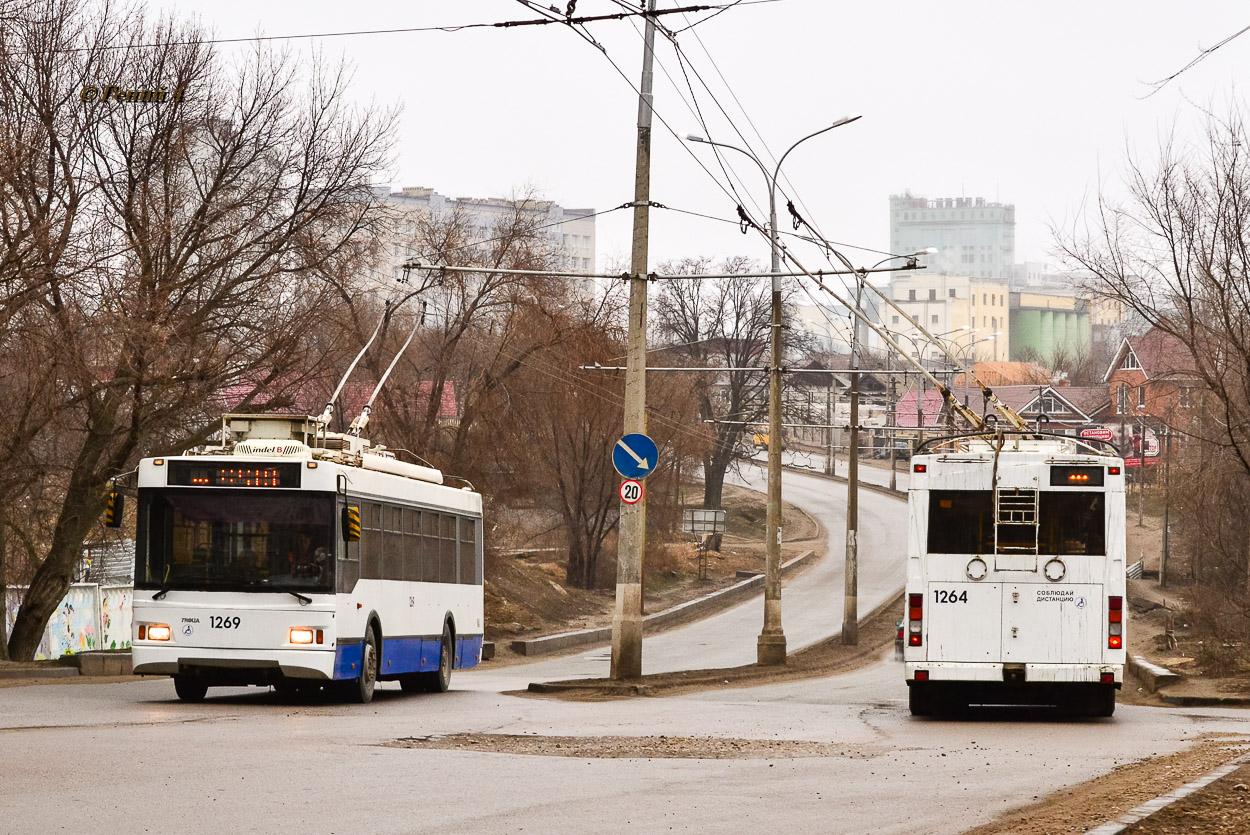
(244, 540)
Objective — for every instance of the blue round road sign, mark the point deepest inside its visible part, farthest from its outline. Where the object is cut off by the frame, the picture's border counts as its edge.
(635, 456)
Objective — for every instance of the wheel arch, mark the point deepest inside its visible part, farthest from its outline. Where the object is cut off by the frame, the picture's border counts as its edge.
(373, 623)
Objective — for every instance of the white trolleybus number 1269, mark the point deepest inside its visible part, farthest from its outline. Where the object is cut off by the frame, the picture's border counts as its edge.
(1016, 574)
(299, 558)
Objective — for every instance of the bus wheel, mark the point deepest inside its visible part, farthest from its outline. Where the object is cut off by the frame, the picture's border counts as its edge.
(190, 688)
(439, 680)
(363, 691)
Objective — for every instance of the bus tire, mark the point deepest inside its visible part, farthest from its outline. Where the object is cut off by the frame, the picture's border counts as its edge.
(1102, 701)
(190, 688)
(439, 680)
(366, 682)
(919, 701)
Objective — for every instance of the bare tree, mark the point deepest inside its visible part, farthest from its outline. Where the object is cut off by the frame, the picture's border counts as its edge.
(553, 427)
(1176, 254)
(719, 323)
(199, 255)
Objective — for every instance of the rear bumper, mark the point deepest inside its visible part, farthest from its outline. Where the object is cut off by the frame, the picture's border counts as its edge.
(234, 666)
(1033, 673)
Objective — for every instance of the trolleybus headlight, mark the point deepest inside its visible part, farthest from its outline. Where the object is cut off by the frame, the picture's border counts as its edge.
(301, 635)
(158, 632)
(1054, 570)
(977, 569)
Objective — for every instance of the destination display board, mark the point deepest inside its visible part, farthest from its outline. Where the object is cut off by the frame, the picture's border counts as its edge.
(233, 474)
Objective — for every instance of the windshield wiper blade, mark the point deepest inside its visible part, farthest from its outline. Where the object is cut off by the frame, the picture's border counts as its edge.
(303, 599)
(163, 591)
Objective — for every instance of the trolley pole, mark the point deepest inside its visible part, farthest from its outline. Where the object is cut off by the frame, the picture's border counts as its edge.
(627, 617)
(829, 464)
(850, 610)
(892, 423)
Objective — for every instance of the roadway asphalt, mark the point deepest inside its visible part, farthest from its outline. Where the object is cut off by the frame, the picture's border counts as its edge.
(128, 757)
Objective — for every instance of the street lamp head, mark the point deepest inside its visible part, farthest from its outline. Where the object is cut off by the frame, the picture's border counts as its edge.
(694, 137)
(846, 120)
(929, 250)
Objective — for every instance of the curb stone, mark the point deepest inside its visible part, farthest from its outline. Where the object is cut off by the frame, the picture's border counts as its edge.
(1150, 807)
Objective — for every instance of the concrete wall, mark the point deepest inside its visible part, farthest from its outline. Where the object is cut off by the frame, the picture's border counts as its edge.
(90, 617)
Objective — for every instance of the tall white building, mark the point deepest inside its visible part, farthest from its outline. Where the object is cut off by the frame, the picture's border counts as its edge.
(571, 232)
(973, 237)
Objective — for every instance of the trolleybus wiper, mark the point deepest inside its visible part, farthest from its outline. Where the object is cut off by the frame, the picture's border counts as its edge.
(165, 585)
(303, 599)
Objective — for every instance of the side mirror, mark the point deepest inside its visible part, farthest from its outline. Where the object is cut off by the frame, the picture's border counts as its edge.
(115, 509)
(351, 523)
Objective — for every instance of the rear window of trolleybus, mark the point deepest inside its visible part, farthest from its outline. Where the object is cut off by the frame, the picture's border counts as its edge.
(1069, 523)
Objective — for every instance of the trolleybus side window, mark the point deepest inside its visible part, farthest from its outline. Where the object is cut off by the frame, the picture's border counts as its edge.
(402, 543)
(370, 540)
(468, 551)
(429, 546)
(447, 549)
(412, 544)
(393, 547)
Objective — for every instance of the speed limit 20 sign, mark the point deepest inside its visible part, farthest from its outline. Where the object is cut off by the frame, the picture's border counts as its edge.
(631, 491)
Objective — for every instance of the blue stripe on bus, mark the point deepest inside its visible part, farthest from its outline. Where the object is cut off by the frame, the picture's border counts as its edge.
(468, 651)
(406, 655)
(347, 661)
(409, 655)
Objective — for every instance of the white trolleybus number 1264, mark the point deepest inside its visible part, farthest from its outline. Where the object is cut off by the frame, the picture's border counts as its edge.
(1015, 577)
(299, 558)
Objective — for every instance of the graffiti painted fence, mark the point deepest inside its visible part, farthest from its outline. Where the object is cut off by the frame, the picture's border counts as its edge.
(91, 617)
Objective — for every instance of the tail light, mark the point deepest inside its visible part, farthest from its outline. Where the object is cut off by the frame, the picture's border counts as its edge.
(915, 614)
(1115, 622)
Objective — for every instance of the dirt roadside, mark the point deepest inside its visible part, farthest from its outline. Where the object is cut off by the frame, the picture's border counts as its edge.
(1087, 805)
(1222, 808)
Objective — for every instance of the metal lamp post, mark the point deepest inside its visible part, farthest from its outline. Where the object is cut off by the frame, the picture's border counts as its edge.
(771, 645)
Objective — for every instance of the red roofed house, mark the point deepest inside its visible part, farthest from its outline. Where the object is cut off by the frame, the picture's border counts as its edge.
(1151, 378)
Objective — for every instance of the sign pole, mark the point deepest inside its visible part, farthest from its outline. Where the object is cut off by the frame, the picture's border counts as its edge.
(627, 617)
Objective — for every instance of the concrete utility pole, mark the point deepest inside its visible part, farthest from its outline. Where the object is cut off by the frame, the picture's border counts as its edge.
(627, 617)
(1167, 506)
(770, 647)
(850, 610)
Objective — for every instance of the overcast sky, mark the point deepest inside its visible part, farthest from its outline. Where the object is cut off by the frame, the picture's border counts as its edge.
(1034, 105)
